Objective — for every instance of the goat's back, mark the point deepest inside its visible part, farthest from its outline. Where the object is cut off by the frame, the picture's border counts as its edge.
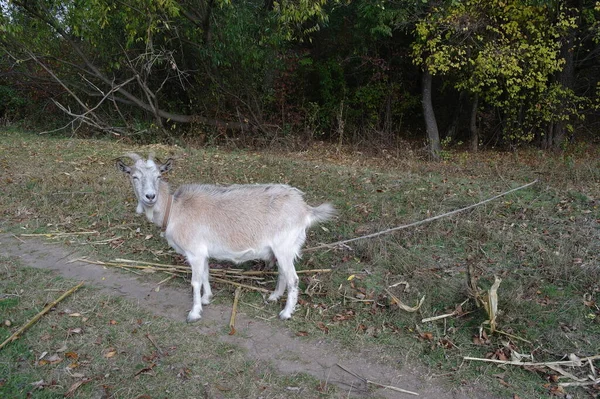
(239, 216)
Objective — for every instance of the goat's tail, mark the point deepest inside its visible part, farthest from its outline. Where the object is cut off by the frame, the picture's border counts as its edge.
(321, 213)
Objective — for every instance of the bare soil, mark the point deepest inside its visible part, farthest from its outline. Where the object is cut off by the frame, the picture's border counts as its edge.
(261, 340)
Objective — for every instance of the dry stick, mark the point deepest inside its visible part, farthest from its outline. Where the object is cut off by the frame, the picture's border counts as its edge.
(230, 271)
(431, 219)
(509, 335)
(57, 234)
(579, 384)
(376, 383)
(39, 315)
(154, 343)
(236, 298)
(571, 363)
(250, 287)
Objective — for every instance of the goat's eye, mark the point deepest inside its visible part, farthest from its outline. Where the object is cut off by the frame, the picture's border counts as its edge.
(135, 178)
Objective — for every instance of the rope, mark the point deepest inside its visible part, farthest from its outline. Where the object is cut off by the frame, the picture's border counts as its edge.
(431, 219)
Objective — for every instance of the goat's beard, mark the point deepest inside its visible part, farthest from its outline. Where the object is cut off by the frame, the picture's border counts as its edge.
(148, 210)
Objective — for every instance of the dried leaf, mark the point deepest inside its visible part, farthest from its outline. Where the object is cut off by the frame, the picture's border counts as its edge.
(77, 330)
(74, 314)
(72, 355)
(62, 348)
(73, 365)
(302, 333)
(323, 327)
(113, 322)
(145, 369)
(111, 352)
(54, 359)
(426, 336)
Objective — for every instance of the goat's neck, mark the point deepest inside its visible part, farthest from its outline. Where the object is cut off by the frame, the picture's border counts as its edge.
(156, 213)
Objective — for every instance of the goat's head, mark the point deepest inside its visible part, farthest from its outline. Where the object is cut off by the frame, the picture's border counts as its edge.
(145, 176)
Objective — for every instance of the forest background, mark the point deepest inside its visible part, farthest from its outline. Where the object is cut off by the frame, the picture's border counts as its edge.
(368, 73)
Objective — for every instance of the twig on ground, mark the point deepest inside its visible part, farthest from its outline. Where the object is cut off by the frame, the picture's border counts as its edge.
(31, 322)
(18, 238)
(509, 335)
(579, 384)
(250, 287)
(571, 363)
(231, 271)
(236, 298)
(366, 381)
(151, 339)
(55, 235)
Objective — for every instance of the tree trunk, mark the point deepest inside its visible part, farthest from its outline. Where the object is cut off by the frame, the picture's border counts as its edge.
(433, 134)
(473, 125)
(452, 130)
(566, 77)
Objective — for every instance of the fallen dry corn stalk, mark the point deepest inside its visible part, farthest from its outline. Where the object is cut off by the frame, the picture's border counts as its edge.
(31, 322)
(404, 307)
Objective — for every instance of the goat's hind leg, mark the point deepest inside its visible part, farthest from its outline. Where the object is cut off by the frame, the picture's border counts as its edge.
(206, 291)
(198, 278)
(287, 279)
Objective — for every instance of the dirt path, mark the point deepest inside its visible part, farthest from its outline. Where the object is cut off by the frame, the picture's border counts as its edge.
(288, 354)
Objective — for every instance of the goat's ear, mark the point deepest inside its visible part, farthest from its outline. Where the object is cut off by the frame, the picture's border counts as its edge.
(122, 167)
(167, 166)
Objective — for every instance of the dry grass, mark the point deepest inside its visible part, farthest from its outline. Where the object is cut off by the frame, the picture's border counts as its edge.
(543, 242)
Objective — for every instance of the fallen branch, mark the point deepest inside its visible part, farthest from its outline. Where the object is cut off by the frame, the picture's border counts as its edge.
(571, 363)
(250, 287)
(509, 335)
(55, 235)
(366, 381)
(231, 271)
(236, 298)
(431, 219)
(39, 315)
(579, 384)
(151, 339)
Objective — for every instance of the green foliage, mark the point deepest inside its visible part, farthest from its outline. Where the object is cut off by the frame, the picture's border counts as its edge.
(503, 51)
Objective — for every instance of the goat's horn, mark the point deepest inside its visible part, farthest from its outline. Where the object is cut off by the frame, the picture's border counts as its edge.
(133, 156)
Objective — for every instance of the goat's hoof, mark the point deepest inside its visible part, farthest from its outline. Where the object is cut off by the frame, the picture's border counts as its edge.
(273, 298)
(193, 318)
(283, 315)
(206, 301)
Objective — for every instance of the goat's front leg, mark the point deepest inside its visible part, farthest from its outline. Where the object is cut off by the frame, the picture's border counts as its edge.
(199, 276)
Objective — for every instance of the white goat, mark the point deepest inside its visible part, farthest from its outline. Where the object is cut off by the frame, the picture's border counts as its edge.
(236, 223)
